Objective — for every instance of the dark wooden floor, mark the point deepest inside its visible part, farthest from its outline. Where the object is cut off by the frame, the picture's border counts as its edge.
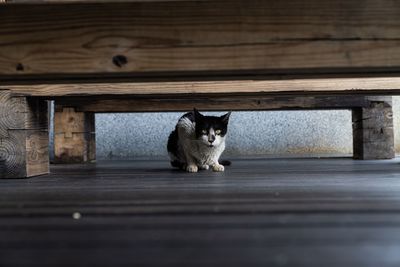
(298, 212)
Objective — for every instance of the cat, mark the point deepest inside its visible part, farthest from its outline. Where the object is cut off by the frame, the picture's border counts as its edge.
(198, 141)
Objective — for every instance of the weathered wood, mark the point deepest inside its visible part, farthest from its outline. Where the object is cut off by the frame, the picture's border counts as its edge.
(186, 36)
(364, 85)
(23, 136)
(373, 135)
(248, 186)
(260, 212)
(84, 1)
(74, 136)
(216, 102)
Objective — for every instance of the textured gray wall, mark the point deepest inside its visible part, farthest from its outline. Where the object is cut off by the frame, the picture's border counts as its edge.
(280, 133)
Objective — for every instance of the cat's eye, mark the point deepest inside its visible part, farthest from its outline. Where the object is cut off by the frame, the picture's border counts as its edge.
(217, 131)
(204, 131)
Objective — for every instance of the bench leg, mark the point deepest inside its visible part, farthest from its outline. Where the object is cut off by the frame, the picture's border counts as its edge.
(74, 135)
(373, 136)
(24, 136)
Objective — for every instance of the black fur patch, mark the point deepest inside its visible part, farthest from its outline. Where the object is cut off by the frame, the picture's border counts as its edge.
(189, 115)
(207, 122)
(172, 145)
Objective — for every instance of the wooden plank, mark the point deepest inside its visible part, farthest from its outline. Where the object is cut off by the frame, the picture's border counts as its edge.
(255, 245)
(382, 85)
(250, 186)
(37, 153)
(23, 136)
(216, 103)
(84, 1)
(74, 136)
(260, 212)
(198, 36)
(373, 135)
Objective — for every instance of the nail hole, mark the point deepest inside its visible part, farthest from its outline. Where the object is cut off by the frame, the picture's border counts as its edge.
(20, 67)
(120, 60)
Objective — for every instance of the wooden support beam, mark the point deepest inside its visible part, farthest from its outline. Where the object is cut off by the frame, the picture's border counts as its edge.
(373, 136)
(23, 136)
(312, 86)
(215, 102)
(74, 136)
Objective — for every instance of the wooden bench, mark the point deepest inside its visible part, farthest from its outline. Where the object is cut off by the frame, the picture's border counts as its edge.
(129, 56)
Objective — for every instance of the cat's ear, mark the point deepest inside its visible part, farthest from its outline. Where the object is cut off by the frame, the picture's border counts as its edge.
(225, 118)
(197, 114)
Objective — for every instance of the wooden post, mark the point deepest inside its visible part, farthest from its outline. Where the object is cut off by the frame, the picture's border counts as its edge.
(23, 136)
(74, 135)
(373, 136)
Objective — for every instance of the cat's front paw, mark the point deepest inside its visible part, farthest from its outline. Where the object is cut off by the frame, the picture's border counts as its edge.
(204, 167)
(192, 168)
(218, 168)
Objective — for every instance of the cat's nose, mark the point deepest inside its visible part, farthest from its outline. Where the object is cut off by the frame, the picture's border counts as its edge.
(211, 138)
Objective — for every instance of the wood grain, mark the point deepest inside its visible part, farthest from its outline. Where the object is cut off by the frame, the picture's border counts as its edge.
(37, 152)
(74, 136)
(382, 85)
(373, 134)
(259, 212)
(186, 36)
(85, 1)
(216, 103)
(23, 136)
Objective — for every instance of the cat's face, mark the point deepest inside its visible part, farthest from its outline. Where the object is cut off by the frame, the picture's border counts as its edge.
(211, 130)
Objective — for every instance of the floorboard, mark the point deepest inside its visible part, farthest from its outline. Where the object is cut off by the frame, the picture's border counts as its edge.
(259, 212)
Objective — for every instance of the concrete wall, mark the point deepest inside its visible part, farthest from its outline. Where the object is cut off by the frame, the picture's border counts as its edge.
(280, 133)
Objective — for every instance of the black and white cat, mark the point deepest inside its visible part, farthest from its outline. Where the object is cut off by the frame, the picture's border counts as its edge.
(198, 141)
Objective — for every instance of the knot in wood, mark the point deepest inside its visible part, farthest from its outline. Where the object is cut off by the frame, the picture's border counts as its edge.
(19, 67)
(120, 60)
